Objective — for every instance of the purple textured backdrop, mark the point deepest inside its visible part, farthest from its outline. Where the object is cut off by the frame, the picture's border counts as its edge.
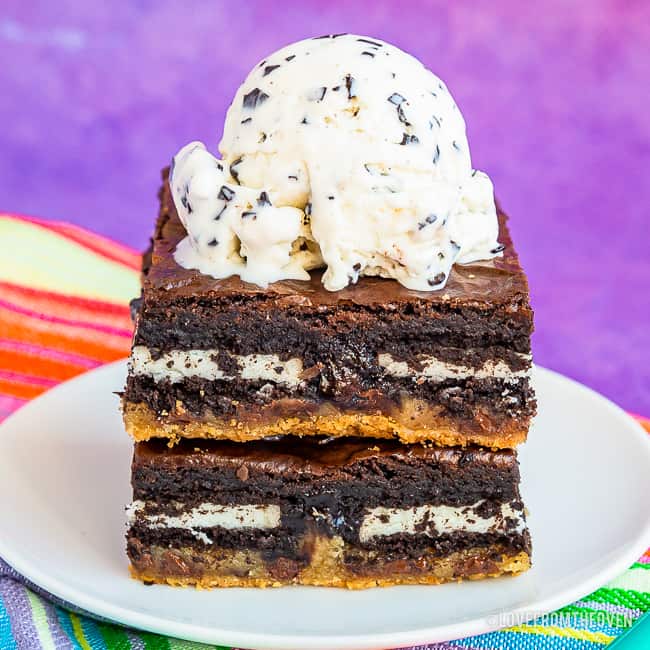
(96, 97)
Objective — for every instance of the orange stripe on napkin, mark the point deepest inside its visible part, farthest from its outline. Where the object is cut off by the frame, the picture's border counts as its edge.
(21, 390)
(77, 339)
(60, 305)
(39, 366)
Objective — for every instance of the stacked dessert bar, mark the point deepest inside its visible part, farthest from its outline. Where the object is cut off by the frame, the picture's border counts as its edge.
(359, 437)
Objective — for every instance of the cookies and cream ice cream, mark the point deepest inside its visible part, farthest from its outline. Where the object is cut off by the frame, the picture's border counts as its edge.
(341, 152)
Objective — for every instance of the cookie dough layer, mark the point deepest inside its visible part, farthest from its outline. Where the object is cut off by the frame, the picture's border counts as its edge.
(414, 421)
(333, 563)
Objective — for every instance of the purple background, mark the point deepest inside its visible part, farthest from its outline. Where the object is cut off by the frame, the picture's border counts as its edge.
(96, 97)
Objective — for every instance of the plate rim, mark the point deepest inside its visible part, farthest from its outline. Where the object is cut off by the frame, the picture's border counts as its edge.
(104, 608)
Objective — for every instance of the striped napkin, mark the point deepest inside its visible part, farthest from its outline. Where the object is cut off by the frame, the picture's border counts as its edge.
(64, 296)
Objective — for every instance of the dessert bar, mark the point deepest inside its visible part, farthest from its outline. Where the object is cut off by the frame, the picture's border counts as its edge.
(231, 360)
(333, 512)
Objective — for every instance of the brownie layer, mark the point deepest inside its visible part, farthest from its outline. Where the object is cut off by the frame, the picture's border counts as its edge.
(374, 472)
(331, 563)
(270, 324)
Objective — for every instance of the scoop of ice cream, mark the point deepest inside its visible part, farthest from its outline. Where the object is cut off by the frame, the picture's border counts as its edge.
(342, 152)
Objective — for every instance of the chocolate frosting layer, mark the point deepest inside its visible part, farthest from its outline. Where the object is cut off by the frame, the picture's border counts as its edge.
(500, 281)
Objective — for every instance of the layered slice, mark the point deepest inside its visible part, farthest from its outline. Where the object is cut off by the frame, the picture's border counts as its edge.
(333, 512)
(225, 359)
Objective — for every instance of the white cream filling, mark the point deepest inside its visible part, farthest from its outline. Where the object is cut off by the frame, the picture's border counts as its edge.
(435, 520)
(435, 370)
(209, 515)
(179, 364)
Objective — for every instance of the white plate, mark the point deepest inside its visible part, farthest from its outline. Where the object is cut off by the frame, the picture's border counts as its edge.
(64, 480)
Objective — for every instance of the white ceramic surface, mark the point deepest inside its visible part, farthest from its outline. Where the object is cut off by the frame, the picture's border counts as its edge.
(64, 480)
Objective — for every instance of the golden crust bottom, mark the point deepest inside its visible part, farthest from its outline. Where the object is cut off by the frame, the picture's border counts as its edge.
(246, 568)
(415, 422)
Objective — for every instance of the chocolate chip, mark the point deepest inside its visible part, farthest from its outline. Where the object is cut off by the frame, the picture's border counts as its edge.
(401, 117)
(357, 267)
(409, 139)
(248, 214)
(234, 173)
(317, 95)
(292, 178)
(262, 137)
(498, 249)
(349, 84)
(436, 155)
(336, 88)
(433, 120)
(398, 100)
(304, 121)
(269, 69)
(369, 42)
(254, 98)
(263, 199)
(247, 120)
(213, 242)
(225, 193)
(432, 218)
(454, 245)
(455, 145)
(436, 279)
(291, 57)
(184, 200)
(330, 198)
(370, 54)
